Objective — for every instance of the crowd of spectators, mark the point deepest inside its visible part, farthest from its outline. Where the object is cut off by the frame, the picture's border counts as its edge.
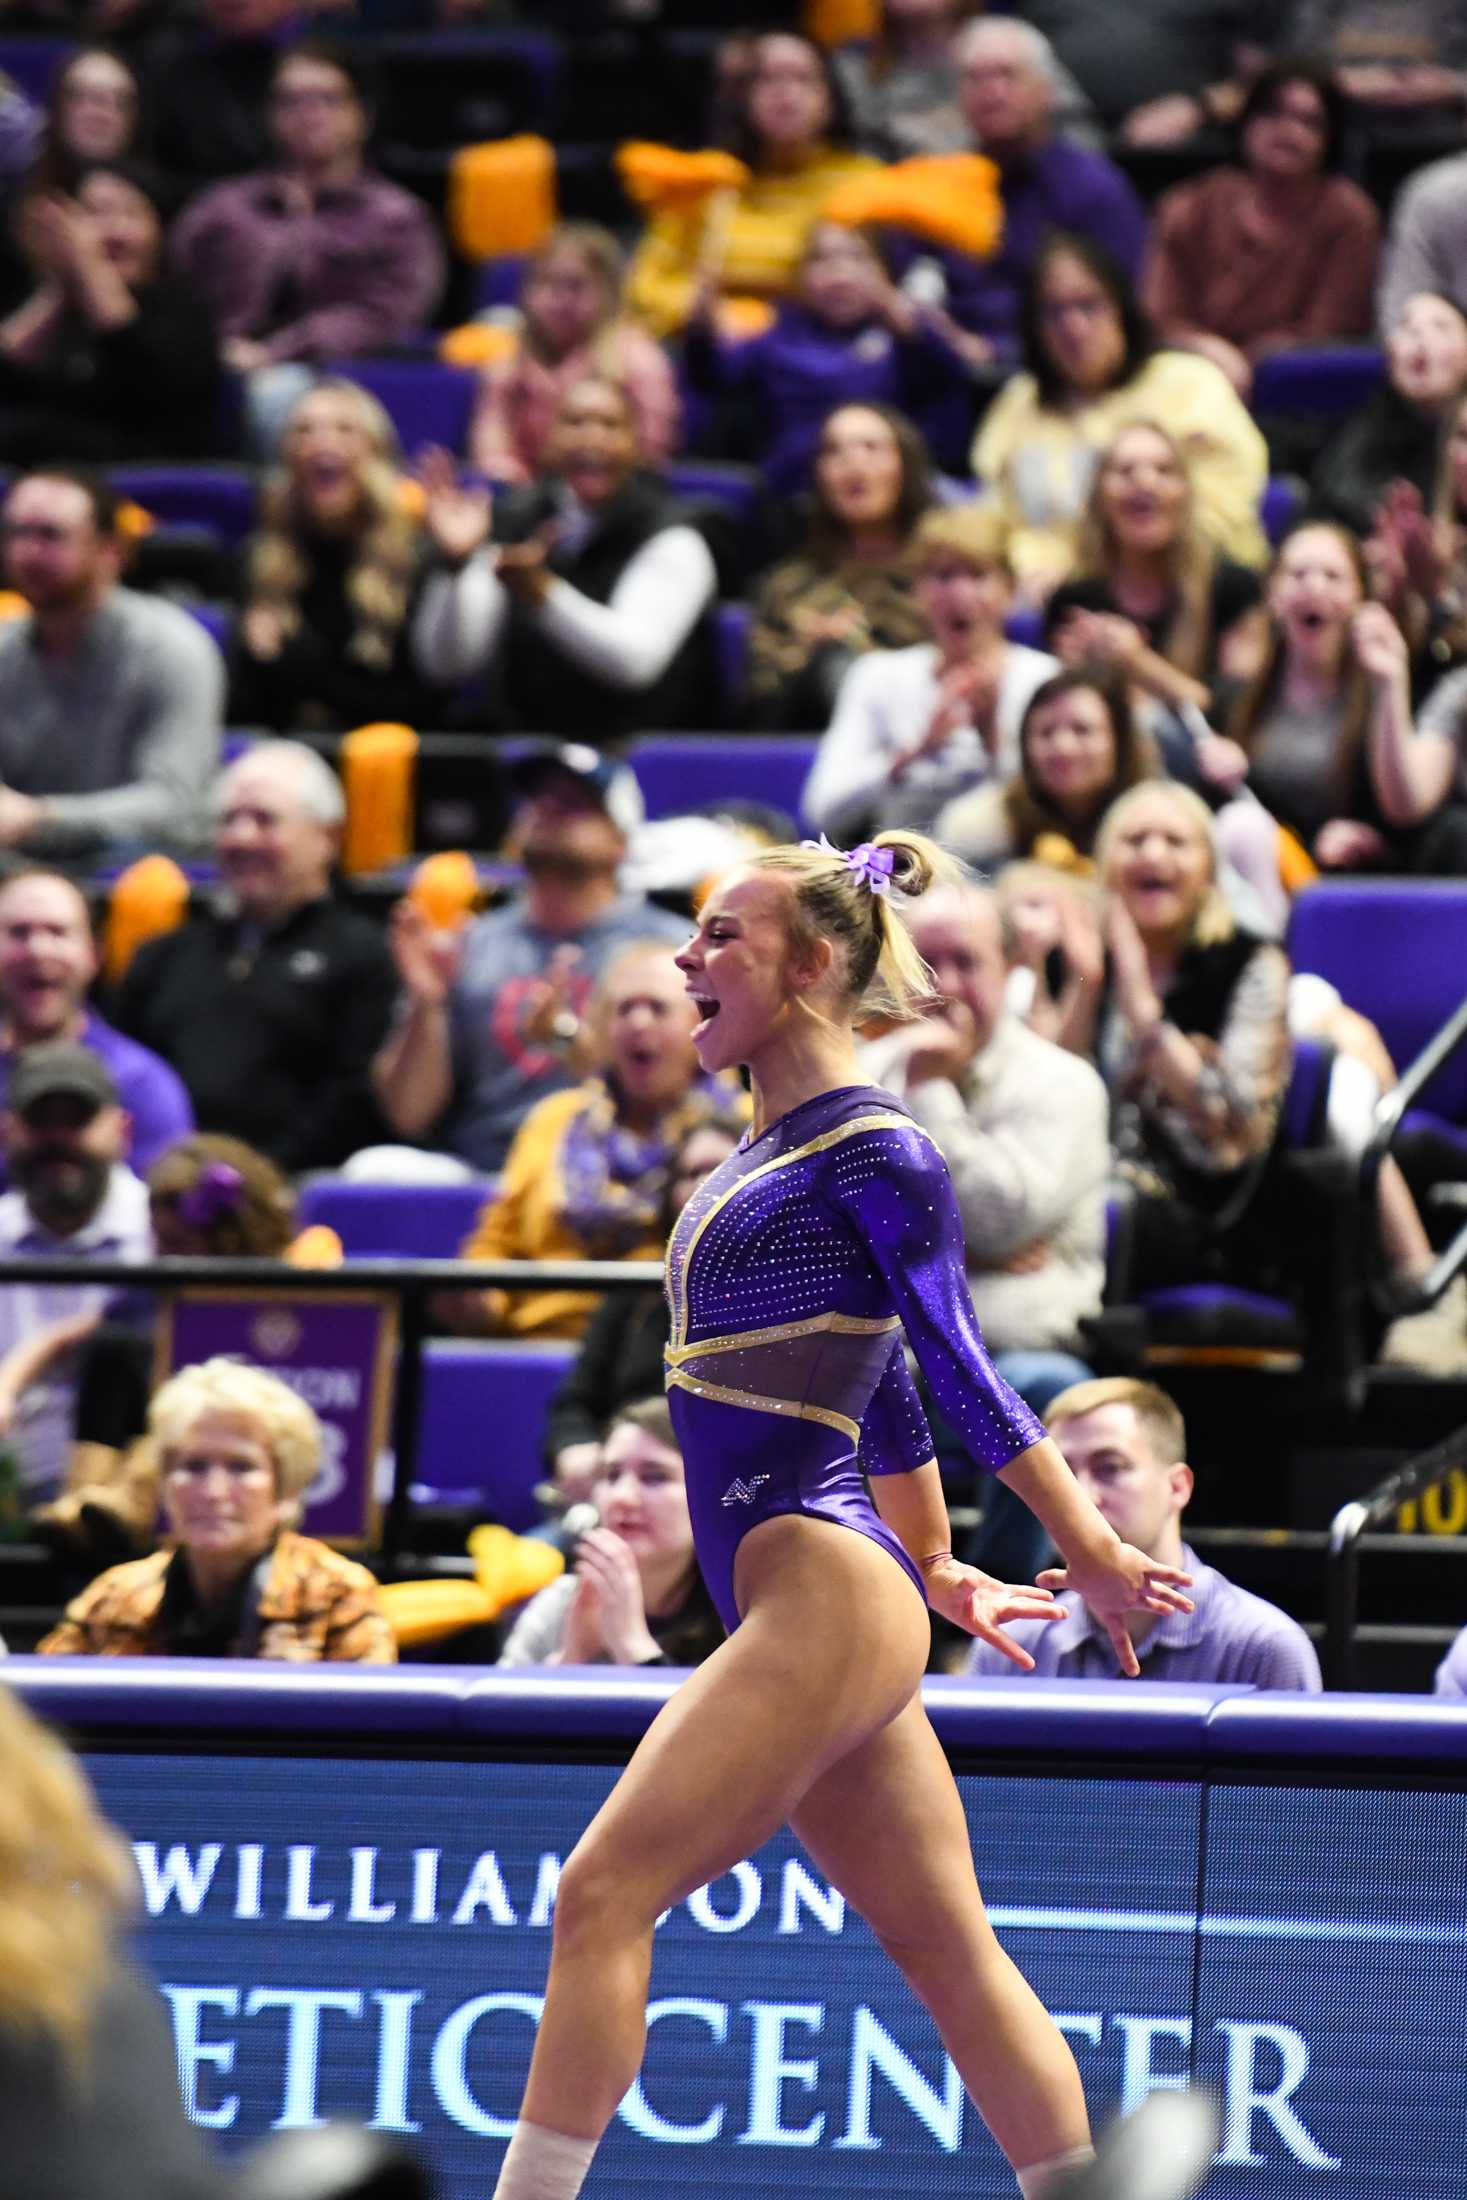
(975, 314)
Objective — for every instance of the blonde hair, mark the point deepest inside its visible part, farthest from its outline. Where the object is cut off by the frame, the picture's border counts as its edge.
(882, 974)
(1191, 562)
(385, 540)
(65, 1883)
(598, 249)
(975, 532)
(1159, 1417)
(288, 1428)
(1214, 920)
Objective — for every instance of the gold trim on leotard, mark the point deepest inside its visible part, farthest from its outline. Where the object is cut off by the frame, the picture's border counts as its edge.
(885, 1120)
(789, 1408)
(845, 1325)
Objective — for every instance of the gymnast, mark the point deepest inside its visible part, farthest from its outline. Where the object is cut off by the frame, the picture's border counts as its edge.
(791, 1275)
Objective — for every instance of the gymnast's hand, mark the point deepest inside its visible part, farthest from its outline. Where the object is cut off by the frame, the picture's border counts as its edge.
(1120, 1582)
(982, 1605)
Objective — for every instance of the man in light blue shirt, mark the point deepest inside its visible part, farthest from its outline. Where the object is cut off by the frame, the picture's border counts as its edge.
(1126, 1445)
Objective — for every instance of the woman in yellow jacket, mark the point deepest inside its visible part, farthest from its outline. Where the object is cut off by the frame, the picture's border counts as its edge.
(747, 241)
(587, 1175)
(1092, 369)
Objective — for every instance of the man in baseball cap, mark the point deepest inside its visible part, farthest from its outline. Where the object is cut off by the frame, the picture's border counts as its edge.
(64, 1134)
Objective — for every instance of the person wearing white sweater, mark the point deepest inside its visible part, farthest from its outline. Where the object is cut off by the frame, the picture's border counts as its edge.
(915, 727)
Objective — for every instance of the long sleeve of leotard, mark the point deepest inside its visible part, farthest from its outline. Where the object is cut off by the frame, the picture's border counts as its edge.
(895, 1438)
(894, 1190)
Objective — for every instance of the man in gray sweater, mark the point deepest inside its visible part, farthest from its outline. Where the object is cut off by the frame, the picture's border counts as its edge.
(110, 702)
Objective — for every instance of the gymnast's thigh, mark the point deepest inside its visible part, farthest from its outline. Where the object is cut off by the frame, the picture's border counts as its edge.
(831, 1647)
(886, 1825)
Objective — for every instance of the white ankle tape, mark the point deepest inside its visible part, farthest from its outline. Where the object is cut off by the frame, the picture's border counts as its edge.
(543, 2165)
(1041, 2179)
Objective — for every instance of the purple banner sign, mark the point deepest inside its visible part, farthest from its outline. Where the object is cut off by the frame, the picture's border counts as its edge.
(338, 1353)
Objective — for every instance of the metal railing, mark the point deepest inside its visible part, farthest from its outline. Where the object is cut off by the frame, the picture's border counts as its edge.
(1389, 1114)
(412, 1281)
(1346, 1540)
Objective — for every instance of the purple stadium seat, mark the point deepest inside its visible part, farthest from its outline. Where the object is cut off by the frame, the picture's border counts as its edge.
(1204, 1317)
(1326, 383)
(218, 500)
(32, 63)
(683, 772)
(482, 1425)
(217, 621)
(497, 281)
(395, 1221)
(426, 400)
(1397, 950)
(1025, 626)
(731, 624)
(706, 481)
(1280, 505)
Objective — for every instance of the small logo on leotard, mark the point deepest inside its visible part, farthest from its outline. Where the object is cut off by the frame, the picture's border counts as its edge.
(740, 1492)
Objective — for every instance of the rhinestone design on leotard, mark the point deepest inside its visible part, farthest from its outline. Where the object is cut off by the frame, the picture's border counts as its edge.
(788, 1275)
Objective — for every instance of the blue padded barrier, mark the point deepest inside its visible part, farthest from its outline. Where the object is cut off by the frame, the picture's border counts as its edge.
(1394, 949)
(481, 1427)
(1166, 1725)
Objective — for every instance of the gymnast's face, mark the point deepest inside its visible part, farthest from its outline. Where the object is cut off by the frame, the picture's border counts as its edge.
(738, 969)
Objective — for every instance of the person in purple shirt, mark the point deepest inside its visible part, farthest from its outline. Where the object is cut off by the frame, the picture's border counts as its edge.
(791, 1273)
(1007, 86)
(1126, 1445)
(847, 337)
(48, 961)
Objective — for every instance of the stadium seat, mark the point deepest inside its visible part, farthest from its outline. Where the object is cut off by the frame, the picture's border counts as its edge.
(217, 621)
(1327, 383)
(497, 281)
(1283, 500)
(731, 624)
(482, 1426)
(426, 400)
(32, 63)
(215, 500)
(448, 87)
(1397, 950)
(683, 772)
(395, 1221)
(1227, 1322)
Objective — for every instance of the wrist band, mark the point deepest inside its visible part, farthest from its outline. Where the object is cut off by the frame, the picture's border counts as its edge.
(933, 1557)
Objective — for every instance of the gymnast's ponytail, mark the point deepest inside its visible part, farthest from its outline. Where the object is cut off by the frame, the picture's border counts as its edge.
(852, 900)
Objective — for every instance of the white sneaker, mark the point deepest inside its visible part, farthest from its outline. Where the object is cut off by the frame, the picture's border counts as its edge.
(1162, 2152)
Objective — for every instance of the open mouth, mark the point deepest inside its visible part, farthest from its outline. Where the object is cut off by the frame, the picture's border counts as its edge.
(707, 1009)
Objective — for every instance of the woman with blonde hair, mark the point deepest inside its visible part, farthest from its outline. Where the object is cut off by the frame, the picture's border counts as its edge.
(89, 2099)
(790, 1275)
(1152, 596)
(571, 325)
(237, 1452)
(1190, 1030)
(332, 575)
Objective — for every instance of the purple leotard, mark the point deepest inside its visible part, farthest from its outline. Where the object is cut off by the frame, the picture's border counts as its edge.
(790, 1275)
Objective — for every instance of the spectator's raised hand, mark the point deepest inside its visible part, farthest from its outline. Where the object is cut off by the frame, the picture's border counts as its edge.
(1348, 844)
(1222, 762)
(456, 516)
(427, 960)
(941, 1047)
(524, 568)
(1135, 992)
(1380, 646)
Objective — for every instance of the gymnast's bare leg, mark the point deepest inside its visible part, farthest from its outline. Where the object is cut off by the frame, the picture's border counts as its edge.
(783, 1723)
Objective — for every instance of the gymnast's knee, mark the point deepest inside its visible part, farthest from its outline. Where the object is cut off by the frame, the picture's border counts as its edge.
(596, 1902)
